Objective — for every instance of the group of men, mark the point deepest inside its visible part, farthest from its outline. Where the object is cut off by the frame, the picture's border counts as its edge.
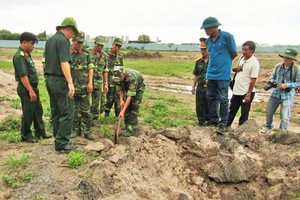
(212, 78)
(75, 76)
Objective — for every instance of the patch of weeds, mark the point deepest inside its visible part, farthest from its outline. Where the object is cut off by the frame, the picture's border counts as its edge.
(10, 180)
(259, 109)
(13, 162)
(15, 103)
(37, 197)
(10, 123)
(11, 137)
(106, 130)
(75, 159)
(27, 176)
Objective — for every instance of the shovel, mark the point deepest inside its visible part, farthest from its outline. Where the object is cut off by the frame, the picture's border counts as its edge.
(117, 131)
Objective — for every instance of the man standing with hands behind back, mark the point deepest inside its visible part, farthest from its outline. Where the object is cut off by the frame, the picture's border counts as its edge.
(222, 50)
(59, 83)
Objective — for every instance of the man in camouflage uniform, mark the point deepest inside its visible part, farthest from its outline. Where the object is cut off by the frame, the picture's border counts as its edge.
(131, 87)
(200, 82)
(27, 78)
(115, 58)
(82, 74)
(100, 78)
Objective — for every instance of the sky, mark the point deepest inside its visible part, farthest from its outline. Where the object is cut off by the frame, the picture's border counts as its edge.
(172, 21)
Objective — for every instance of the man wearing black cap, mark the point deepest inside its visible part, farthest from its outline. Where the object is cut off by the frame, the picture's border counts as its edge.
(222, 50)
(284, 80)
(199, 84)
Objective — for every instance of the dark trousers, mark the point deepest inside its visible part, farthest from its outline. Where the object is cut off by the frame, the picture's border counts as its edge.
(235, 103)
(201, 105)
(62, 109)
(31, 112)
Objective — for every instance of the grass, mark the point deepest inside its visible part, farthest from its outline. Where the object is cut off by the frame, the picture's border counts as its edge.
(75, 159)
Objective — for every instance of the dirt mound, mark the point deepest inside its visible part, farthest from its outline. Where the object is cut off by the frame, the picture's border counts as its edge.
(142, 54)
(185, 163)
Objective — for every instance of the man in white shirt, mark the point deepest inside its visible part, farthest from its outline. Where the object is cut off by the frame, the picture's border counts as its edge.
(243, 90)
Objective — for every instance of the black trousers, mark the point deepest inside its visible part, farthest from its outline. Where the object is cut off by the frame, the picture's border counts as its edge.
(235, 103)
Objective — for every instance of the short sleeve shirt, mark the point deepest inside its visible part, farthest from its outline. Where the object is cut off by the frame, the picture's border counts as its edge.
(24, 66)
(57, 50)
(220, 62)
(243, 78)
(200, 71)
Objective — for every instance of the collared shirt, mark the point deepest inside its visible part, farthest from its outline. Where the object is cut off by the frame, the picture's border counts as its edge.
(283, 75)
(220, 61)
(57, 50)
(250, 69)
(200, 71)
(133, 82)
(24, 66)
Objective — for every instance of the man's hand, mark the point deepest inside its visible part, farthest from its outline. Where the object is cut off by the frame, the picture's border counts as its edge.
(193, 89)
(33, 96)
(71, 90)
(283, 86)
(237, 69)
(90, 88)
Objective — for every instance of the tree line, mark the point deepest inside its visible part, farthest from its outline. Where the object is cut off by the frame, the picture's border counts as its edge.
(7, 35)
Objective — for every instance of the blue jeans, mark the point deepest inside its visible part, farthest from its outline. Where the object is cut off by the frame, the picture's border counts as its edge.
(217, 93)
(285, 110)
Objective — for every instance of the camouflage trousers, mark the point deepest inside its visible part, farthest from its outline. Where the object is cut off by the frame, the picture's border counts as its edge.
(112, 98)
(82, 123)
(98, 102)
(132, 112)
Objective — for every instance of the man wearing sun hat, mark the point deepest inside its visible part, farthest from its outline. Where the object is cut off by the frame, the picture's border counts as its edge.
(199, 84)
(284, 80)
(59, 83)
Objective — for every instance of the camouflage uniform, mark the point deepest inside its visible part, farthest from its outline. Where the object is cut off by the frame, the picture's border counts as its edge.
(81, 65)
(98, 95)
(112, 96)
(133, 86)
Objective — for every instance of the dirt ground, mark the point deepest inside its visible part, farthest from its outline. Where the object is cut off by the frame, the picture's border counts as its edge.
(184, 163)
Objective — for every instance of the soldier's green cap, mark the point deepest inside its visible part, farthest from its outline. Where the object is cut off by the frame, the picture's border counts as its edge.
(100, 40)
(118, 71)
(118, 41)
(69, 21)
(79, 37)
(289, 53)
(202, 43)
(210, 22)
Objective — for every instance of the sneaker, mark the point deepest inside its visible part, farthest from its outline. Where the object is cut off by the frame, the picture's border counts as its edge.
(89, 136)
(266, 130)
(222, 129)
(29, 139)
(66, 149)
(74, 135)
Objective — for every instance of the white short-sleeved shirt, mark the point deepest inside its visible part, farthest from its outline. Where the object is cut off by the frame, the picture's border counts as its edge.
(243, 78)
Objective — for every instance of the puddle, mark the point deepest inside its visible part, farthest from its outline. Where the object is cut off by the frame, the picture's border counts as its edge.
(260, 95)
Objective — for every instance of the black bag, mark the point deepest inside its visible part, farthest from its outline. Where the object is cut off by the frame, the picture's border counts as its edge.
(231, 84)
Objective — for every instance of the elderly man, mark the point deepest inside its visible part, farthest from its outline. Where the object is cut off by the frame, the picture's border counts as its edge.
(59, 83)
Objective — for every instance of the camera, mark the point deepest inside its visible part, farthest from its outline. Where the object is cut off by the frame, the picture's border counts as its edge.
(270, 85)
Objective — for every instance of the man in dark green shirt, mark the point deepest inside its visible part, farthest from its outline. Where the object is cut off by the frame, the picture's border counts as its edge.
(27, 78)
(59, 83)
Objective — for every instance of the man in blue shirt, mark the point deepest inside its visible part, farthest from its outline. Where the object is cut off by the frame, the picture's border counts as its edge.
(222, 50)
(284, 80)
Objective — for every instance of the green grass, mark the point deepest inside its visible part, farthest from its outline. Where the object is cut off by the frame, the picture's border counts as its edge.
(159, 68)
(4, 64)
(75, 159)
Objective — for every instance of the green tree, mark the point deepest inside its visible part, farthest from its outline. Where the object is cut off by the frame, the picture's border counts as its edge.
(42, 36)
(144, 39)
